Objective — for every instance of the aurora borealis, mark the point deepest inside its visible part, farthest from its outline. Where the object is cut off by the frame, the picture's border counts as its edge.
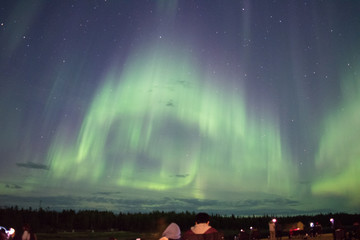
(232, 107)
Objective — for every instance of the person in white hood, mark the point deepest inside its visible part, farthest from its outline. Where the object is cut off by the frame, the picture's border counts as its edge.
(172, 232)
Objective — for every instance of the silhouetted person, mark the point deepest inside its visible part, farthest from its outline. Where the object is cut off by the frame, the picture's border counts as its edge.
(356, 230)
(3, 235)
(278, 231)
(254, 234)
(28, 234)
(202, 229)
(318, 229)
(243, 235)
(272, 229)
(172, 232)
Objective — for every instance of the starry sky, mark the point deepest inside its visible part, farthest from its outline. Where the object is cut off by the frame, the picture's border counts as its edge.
(232, 107)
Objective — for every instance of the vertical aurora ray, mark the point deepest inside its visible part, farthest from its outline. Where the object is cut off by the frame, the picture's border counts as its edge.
(338, 161)
(237, 103)
(162, 124)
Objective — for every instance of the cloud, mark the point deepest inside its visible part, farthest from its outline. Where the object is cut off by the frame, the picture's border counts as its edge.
(251, 202)
(52, 202)
(170, 103)
(107, 193)
(12, 186)
(197, 202)
(269, 203)
(110, 201)
(283, 202)
(33, 165)
(185, 84)
(181, 175)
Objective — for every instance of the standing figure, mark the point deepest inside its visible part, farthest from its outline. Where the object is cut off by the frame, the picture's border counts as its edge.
(272, 229)
(172, 232)
(202, 230)
(28, 234)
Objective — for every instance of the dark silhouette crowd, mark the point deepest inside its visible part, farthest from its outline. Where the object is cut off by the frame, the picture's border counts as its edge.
(167, 225)
(202, 230)
(11, 234)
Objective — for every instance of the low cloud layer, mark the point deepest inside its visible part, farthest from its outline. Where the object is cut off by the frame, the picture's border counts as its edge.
(118, 202)
(12, 186)
(33, 165)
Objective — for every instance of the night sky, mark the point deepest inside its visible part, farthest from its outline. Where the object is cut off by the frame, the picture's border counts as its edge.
(231, 107)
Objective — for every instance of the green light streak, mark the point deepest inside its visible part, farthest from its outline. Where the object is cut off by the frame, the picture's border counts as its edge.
(161, 125)
(338, 158)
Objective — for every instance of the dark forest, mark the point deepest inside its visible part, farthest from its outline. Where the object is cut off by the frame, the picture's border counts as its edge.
(45, 220)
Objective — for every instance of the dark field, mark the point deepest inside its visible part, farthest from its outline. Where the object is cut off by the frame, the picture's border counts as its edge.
(93, 235)
(132, 236)
(54, 225)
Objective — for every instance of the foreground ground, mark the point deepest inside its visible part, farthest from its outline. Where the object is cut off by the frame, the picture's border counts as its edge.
(130, 236)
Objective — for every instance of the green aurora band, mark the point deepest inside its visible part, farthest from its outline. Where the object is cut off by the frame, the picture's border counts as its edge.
(156, 126)
(338, 158)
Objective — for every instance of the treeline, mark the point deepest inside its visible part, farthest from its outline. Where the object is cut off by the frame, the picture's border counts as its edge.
(44, 220)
